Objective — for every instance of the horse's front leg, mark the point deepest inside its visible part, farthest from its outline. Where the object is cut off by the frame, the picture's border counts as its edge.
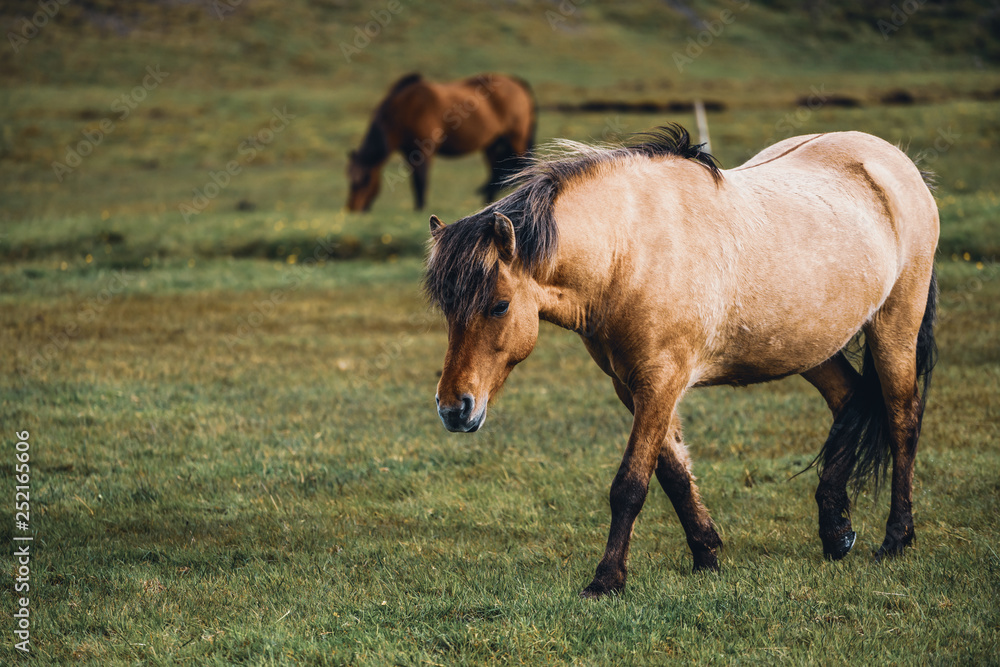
(653, 413)
(673, 470)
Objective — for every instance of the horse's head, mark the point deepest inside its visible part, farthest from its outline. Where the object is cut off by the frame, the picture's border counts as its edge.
(491, 304)
(364, 181)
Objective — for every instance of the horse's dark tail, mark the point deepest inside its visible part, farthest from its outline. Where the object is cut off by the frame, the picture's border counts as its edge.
(927, 354)
(507, 163)
(860, 434)
(524, 160)
(534, 118)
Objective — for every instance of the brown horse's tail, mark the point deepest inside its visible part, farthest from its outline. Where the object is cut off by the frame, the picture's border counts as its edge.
(518, 163)
(507, 162)
(534, 116)
(860, 432)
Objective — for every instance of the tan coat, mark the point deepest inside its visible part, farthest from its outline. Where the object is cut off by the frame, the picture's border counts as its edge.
(678, 275)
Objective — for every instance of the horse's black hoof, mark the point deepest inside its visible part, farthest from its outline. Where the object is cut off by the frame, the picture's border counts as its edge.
(892, 549)
(595, 593)
(838, 547)
(708, 562)
(884, 553)
(597, 590)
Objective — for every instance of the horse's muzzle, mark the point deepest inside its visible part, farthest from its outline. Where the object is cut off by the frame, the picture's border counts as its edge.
(463, 417)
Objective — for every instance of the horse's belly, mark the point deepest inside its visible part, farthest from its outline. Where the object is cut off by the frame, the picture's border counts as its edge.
(795, 324)
(751, 360)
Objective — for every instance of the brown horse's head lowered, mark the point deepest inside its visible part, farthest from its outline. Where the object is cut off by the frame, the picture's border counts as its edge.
(364, 180)
(482, 273)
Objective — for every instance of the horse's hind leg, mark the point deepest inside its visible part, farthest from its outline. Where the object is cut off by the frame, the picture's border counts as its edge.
(673, 470)
(421, 168)
(836, 381)
(497, 154)
(901, 340)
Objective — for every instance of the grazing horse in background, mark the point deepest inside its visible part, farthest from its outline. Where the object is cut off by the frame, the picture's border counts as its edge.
(492, 113)
(677, 274)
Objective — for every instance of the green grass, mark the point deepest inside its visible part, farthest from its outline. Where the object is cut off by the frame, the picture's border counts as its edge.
(235, 452)
(191, 490)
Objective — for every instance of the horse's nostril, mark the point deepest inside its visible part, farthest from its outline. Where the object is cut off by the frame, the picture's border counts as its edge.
(437, 400)
(468, 403)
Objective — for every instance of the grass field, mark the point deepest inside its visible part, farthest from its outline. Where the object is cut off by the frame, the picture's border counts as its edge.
(235, 456)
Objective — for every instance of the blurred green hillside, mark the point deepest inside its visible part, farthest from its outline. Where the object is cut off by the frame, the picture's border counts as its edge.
(923, 74)
(253, 43)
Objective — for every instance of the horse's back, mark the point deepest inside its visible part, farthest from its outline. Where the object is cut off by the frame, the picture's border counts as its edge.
(785, 259)
(465, 115)
(483, 108)
(840, 219)
(870, 183)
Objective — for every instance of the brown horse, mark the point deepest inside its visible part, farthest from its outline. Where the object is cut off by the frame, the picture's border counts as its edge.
(492, 113)
(677, 274)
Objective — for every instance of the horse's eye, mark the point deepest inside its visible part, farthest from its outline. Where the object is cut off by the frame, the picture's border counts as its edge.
(500, 309)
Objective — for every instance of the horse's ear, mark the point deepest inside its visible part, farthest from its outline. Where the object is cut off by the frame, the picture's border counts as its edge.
(436, 225)
(503, 229)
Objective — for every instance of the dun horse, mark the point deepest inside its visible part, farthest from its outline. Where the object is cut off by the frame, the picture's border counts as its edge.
(677, 275)
(492, 113)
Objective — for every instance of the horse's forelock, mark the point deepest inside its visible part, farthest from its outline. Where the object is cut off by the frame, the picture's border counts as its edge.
(462, 268)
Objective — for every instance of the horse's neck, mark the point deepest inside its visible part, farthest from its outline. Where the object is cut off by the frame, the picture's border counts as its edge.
(575, 294)
(375, 148)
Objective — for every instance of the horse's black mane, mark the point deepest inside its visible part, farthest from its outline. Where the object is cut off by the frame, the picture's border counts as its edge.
(462, 269)
(375, 147)
(403, 82)
(673, 139)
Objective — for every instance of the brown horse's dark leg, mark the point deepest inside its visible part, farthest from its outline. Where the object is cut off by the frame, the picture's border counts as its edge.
(835, 378)
(673, 470)
(653, 413)
(419, 180)
(496, 154)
